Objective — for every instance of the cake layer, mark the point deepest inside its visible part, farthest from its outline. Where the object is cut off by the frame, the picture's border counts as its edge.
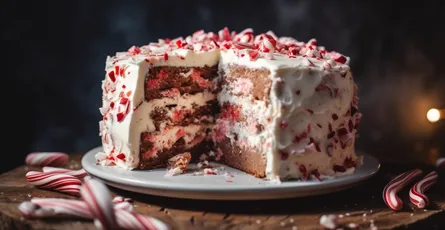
(239, 129)
(244, 107)
(183, 79)
(177, 148)
(173, 114)
(240, 80)
(170, 141)
(242, 158)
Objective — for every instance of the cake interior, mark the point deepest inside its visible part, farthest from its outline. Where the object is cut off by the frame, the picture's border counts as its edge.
(183, 105)
(240, 126)
(206, 112)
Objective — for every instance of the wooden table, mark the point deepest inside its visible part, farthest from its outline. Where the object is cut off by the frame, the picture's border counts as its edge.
(361, 205)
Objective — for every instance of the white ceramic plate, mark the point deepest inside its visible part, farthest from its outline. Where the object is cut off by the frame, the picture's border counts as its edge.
(232, 184)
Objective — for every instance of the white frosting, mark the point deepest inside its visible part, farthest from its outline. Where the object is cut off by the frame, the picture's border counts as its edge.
(293, 66)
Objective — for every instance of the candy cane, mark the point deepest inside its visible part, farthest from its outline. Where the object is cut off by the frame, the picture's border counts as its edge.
(46, 159)
(81, 173)
(97, 197)
(394, 186)
(58, 182)
(131, 220)
(417, 192)
(50, 207)
(440, 162)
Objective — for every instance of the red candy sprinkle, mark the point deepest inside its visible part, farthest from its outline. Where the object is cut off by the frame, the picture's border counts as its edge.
(121, 156)
(316, 174)
(253, 55)
(341, 59)
(283, 124)
(284, 155)
(134, 50)
(120, 117)
(111, 76)
(179, 43)
(303, 171)
(298, 138)
(124, 101)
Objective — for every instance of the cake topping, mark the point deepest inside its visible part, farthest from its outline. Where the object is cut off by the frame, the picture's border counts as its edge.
(265, 45)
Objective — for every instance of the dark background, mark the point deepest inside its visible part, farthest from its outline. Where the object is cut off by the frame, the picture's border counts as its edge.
(54, 56)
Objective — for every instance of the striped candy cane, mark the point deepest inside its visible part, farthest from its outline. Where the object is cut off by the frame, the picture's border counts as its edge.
(47, 159)
(394, 186)
(417, 192)
(58, 182)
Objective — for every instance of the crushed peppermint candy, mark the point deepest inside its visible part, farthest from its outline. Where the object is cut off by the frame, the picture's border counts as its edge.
(178, 164)
(329, 221)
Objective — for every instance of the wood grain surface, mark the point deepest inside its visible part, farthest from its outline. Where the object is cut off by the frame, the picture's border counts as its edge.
(362, 206)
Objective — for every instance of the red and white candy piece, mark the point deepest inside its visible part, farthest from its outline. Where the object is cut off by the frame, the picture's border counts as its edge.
(417, 192)
(266, 43)
(50, 207)
(81, 173)
(58, 182)
(440, 162)
(131, 220)
(119, 199)
(47, 159)
(394, 186)
(97, 197)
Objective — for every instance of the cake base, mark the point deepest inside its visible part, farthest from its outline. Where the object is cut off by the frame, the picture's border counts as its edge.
(240, 158)
(179, 147)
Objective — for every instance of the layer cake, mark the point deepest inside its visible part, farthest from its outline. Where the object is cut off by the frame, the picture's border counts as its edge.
(271, 106)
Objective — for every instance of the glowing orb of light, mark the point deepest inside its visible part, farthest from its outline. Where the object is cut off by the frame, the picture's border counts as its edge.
(433, 115)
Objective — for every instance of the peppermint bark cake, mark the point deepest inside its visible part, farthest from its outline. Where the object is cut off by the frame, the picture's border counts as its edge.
(273, 107)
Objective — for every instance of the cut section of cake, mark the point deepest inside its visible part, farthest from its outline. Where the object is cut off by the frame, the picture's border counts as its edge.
(158, 101)
(273, 107)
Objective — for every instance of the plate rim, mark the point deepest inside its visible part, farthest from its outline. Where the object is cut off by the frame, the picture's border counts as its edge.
(297, 187)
